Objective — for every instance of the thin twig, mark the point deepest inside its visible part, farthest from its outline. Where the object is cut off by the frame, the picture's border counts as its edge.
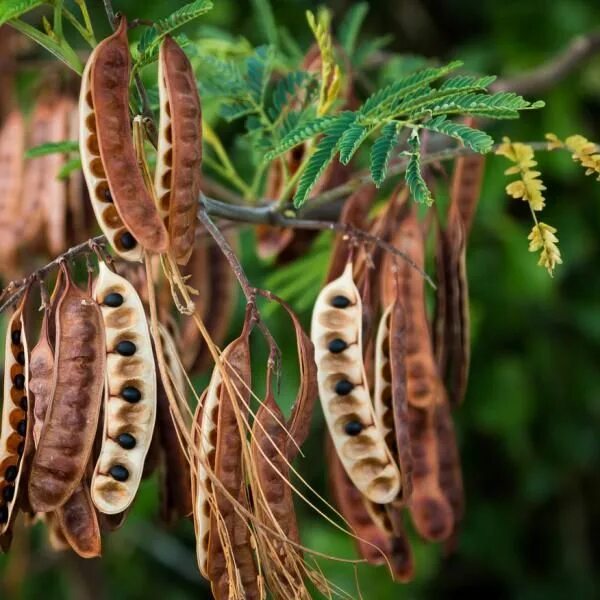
(548, 74)
(20, 286)
(247, 288)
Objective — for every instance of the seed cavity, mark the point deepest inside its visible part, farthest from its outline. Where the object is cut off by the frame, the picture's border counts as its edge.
(126, 348)
(19, 381)
(343, 387)
(128, 241)
(119, 472)
(8, 493)
(11, 473)
(126, 441)
(337, 345)
(113, 300)
(131, 394)
(22, 427)
(340, 302)
(353, 428)
(15, 336)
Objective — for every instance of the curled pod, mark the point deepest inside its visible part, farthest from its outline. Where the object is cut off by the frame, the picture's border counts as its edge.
(67, 437)
(429, 507)
(15, 434)
(56, 537)
(12, 150)
(229, 539)
(177, 178)
(337, 337)
(389, 399)
(130, 394)
(376, 544)
(452, 323)
(423, 381)
(79, 522)
(123, 206)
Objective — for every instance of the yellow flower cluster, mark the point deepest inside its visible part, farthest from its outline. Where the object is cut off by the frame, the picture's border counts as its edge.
(529, 187)
(542, 237)
(582, 150)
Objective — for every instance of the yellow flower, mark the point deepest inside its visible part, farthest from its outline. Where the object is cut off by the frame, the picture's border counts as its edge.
(583, 151)
(542, 237)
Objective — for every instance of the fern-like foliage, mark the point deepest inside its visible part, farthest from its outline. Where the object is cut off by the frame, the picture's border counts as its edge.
(147, 49)
(413, 102)
(52, 148)
(382, 151)
(414, 179)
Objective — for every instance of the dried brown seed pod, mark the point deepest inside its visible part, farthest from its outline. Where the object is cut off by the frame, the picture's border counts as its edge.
(12, 150)
(124, 208)
(389, 400)
(430, 510)
(229, 536)
(43, 206)
(450, 473)
(130, 393)
(68, 433)
(421, 369)
(177, 177)
(336, 333)
(175, 490)
(374, 544)
(79, 523)
(15, 435)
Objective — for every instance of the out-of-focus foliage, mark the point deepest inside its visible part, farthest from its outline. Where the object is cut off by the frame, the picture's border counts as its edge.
(529, 426)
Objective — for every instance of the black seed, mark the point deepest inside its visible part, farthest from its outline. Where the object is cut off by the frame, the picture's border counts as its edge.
(15, 336)
(353, 427)
(23, 403)
(340, 302)
(131, 394)
(21, 448)
(8, 493)
(126, 348)
(19, 381)
(126, 440)
(3, 514)
(21, 358)
(11, 473)
(128, 241)
(337, 345)
(22, 427)
(119, 472)
(343, 387)
(113, 300)
(107, 195)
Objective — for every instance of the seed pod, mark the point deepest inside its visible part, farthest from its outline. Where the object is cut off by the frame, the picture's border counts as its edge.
(430, 510)
(228, 470)
(68, 434)
(79, 523)
(43, 206)
(12, 149)
(390, 391)
(175, 488)
(15, 435)
(56, 537)
(337, 335)
(355, 213)
(275, 444)
(450, 474)
(124, 208)
(130, 394)
(177, 178)
(421, 370)
(218, 286)
(374, 543)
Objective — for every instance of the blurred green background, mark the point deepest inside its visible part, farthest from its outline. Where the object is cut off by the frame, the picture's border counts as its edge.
(529, 428)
